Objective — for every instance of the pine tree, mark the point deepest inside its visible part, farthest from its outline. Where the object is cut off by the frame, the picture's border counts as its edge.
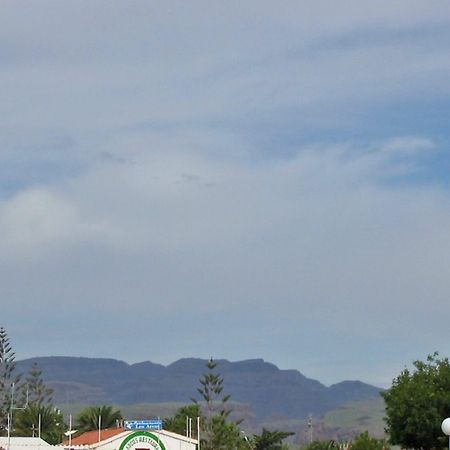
(210, 390)
(39, 394)
(38, 410)
(8, 378)
(218, 433)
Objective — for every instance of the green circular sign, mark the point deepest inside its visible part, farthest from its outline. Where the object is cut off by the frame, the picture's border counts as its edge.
(137, 438)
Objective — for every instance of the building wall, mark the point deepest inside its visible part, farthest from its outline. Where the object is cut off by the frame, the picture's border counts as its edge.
(144, 440)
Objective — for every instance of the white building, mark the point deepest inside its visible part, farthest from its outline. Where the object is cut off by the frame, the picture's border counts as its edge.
(24, 443)
(121, 439)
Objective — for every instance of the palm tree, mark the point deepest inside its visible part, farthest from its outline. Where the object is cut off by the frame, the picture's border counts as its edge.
(95, 417)
(270, 440)
(50, 420)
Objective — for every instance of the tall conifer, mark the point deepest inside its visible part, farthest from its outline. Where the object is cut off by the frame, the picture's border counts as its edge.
(218, 432)
(8, 378)
(39, 393)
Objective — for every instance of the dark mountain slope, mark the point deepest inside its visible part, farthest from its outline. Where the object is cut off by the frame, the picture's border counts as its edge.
(269, 391)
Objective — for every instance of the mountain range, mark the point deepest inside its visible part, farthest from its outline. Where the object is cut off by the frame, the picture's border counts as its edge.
(270, 392)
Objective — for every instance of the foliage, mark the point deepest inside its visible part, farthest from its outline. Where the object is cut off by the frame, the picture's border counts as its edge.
(38, 392)
(25, 412)
(8, 378)
(88, 418)
(177, 423)
(211, 390)
(224, 436)
(417, 403)
(320, 445)
(39, 412)
(361, 442)
(217, 433)
(365, 442)
(270, 440)
(26, 422)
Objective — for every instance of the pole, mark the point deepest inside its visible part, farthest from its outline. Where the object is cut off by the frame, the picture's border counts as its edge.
(12, 407)
(198, 433)
(70, 431)
(157, 433)
(39, 425)
(310, 429)
(99, 428)
(9, 431)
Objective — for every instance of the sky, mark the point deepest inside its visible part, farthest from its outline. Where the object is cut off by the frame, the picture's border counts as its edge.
(231, 179)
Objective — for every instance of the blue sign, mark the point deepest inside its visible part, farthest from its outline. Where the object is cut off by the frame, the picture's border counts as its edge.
(153, 424)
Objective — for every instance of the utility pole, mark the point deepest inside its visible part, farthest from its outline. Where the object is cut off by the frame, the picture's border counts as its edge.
(310, 428)
(11, 409)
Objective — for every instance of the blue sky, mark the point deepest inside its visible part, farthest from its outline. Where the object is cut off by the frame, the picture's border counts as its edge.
(238, 180)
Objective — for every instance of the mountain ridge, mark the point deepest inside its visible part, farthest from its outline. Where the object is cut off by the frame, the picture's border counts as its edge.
(268, 390)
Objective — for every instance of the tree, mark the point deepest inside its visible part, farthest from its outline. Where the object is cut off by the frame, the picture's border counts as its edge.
(25, 412)
(38, 392)
(224, 436)
(417, 403)
(321, 445)
(39, 411)
(270, 440)
(177, 423)
(211, 390)
(365, 442)
(49, 419)
(8, 378)
(88, 418)
(218, 433)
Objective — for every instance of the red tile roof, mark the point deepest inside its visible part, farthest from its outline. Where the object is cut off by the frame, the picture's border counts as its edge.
(91, 437)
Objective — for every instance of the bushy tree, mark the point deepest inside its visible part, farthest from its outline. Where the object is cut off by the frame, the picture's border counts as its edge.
(224, 436)
(177, 423)
(49, 419)
(270, 440)
(365, 442)
(88, 418)
(417, 403)
(320, 445)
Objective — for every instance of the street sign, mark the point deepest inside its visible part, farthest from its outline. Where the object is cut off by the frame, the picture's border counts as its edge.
(153, 424)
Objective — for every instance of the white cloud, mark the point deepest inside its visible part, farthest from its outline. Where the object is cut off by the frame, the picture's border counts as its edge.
(35, 216)
(313, 242)
(407, 145)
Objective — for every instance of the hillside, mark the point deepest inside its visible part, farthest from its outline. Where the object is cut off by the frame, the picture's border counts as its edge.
(270, 393)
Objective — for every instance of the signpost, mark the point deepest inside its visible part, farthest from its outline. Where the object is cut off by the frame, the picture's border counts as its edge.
(152, 424)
